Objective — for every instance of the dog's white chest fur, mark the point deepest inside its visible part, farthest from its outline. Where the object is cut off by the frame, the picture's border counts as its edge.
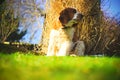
(60, 42)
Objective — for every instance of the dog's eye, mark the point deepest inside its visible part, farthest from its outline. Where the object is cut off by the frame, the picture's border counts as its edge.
(74, 11)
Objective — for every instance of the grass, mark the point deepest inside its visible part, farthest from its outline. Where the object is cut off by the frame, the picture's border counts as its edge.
(31, 67)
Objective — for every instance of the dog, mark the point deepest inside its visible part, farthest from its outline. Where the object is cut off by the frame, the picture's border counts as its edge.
(61, 40)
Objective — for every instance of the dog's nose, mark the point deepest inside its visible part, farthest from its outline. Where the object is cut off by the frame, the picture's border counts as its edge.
(80, 16)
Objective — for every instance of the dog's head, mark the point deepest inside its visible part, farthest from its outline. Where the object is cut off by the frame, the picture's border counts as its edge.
(70, 15)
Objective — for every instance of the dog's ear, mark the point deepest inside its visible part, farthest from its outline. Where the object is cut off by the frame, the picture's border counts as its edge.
(60, 18)
(63, 19)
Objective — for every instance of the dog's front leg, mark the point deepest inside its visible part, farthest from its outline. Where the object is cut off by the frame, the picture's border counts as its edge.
(50, 51)
(51, 46)
(65, 48)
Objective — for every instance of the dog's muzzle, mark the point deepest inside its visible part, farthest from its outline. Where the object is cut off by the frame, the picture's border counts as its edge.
(78, 16)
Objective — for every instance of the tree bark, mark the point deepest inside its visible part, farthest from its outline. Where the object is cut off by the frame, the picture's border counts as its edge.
(88, 29)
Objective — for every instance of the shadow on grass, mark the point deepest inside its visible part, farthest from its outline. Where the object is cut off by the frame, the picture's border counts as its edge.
(10, 49)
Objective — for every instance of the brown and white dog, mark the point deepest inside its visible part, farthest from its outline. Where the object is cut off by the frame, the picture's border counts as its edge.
(61, 40)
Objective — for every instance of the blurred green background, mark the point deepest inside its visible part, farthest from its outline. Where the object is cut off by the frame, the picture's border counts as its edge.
(31, 67)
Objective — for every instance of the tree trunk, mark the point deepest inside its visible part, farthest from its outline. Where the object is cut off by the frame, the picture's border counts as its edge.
(88, 29)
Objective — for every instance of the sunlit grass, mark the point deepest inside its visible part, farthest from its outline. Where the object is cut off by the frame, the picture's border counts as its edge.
(31, 67)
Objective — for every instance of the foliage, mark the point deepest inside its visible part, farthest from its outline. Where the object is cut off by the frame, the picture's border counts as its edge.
(7, 21)
(14, 47)
(1, 1)
(29, 13)
(15, 36)
(30, 67)
(28, 10)
(112, 36)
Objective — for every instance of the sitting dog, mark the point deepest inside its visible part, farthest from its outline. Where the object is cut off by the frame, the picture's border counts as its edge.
(61, 40)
